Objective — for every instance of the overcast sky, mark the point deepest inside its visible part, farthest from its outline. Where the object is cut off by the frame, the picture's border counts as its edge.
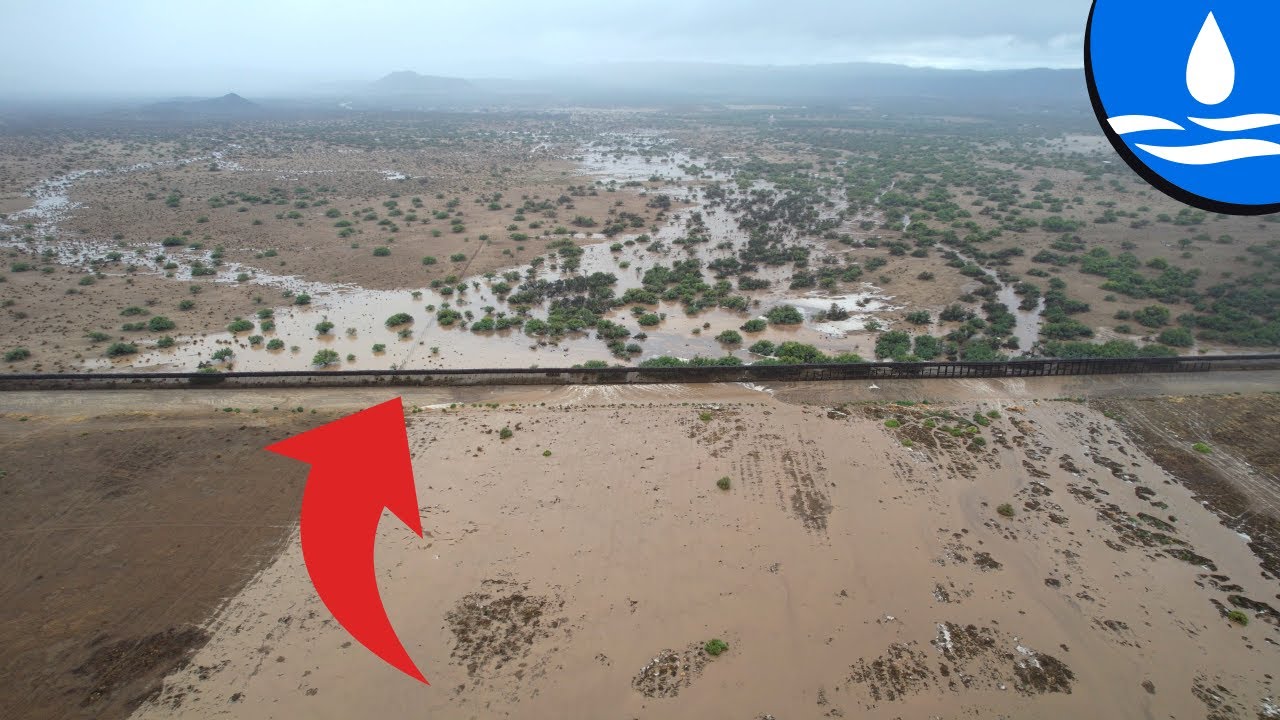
(263, 46)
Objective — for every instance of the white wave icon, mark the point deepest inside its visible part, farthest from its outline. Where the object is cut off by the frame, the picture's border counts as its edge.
(1125, 124)
(1214, 152)
(1211, 78)
(1239, 123)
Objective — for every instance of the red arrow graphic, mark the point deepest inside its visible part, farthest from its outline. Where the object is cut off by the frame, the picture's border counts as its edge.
(359, 465)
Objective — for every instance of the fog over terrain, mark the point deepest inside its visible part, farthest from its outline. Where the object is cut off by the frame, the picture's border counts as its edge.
(146, 48)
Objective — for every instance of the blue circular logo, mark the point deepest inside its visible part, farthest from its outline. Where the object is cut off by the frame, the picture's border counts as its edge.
(1189, 95)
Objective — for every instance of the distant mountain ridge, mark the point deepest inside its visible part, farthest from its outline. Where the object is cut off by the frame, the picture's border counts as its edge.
(229, 105)
(888, 87)
(408, 82)
(831, 82)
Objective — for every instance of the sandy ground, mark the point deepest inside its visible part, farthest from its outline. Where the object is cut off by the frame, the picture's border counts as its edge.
(850, 574)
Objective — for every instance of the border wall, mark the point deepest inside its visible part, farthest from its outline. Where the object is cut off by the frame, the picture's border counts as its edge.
(639, 376)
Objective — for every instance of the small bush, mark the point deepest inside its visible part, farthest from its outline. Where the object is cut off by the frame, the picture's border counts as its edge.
(730, 337)
(160, 323)
(325, 358)
(715, 647)
(240, 325)
(785, 315)
(546, 453)
(275, 344)
(505, 433)
(1202, 448)
(399, 319)
(1238, 618)
(1006, 510)
(166, 342)
(382, 252)
(379, 348)
(17, 354)
(723, 483)
(892, 424)
(1177, 337)
(754, 326)
(324, 327)
(121, 349)
(705, 417)
(458, 257)
(920, 317)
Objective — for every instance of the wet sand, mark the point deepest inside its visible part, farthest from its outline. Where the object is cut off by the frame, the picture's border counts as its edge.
(843, 568)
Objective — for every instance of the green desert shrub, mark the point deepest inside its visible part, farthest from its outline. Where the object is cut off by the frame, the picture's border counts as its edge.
(1177, 337)
(160, 323)
(785, 315)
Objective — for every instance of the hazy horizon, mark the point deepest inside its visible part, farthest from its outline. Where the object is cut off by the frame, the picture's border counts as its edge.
(143, 48)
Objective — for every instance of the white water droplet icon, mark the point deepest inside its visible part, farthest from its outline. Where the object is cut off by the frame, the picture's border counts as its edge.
(1211, 72)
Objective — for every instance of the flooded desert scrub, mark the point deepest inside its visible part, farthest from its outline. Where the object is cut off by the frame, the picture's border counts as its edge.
(356, 319)
(1042, 566)
(969, 241)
